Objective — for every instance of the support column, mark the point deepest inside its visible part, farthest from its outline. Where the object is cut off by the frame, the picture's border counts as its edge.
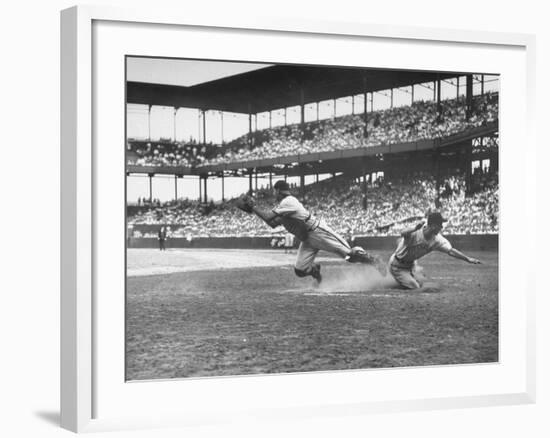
(457, 87)
(412, 94)
(438, 99)
(149, 107)
(270, 180)
(250, 126)
(482, 85)
(256, 179)
(270, 119)
(302, 115)
(223, 187)
(205, 188)
(221, 123)
(317, 177)
(175, 187)
(175, 113)
(199, 122)
(204, 127)
(365, 119)
(353, 105)
(435, 91)
(372, 101)
(250, 181)
(391, 98)
(469, 95)
(302, 109)
(317, 111)
(151, 175)
(200, 189)
(285, 116)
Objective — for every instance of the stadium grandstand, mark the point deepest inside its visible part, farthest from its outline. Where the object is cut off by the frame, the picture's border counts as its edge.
(369, 150)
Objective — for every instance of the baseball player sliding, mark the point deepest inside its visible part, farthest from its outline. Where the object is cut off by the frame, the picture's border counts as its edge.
(417, 242)
(313, 233)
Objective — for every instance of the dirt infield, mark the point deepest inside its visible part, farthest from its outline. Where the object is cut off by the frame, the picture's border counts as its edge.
(245, 312)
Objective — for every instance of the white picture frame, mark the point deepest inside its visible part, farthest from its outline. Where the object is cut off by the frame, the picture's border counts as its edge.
(81, 366)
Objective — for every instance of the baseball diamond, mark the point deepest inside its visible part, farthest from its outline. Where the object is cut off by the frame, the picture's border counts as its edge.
(300, 218)
(200, 317)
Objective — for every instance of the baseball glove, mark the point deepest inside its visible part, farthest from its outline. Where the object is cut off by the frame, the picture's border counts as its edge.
(359, 255)
(245, 203)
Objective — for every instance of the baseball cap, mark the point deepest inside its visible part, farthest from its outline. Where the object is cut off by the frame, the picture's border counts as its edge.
(282, 186)
(435, 218)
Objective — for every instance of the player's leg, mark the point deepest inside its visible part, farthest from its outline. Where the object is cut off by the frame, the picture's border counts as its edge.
(426, 285)
(305, 262)
(325, 238)
(404, 277)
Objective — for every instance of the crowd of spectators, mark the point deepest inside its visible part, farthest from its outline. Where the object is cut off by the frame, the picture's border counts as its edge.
(395, 125)
(390, 207)
(168, 153)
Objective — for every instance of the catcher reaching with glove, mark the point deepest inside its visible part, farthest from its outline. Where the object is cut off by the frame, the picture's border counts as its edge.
(314, 234)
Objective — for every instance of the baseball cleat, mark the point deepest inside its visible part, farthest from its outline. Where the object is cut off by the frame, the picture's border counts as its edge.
(316, 273)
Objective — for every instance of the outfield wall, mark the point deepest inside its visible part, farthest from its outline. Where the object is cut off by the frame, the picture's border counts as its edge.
(466, 242)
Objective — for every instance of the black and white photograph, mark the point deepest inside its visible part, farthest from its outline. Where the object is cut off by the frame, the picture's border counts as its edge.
(286, 218)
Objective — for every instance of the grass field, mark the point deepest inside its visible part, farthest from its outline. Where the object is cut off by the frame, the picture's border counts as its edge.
(197, 313)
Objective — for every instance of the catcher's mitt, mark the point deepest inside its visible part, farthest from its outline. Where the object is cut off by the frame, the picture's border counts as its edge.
(359, 255)
(245, 203)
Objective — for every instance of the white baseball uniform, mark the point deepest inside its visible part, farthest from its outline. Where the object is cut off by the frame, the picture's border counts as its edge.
(410, 249)
(320, 236)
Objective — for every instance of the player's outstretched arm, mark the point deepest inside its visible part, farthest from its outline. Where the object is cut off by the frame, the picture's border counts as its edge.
(267, 216)
(248, 205)
(458, 255)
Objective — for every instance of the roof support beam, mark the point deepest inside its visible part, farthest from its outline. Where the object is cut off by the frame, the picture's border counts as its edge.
(469, 94)
(439, 100)
(204, 127)
(365, 120)
(149, 107)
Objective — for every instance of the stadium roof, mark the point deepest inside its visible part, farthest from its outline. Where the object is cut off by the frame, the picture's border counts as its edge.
(278, 86)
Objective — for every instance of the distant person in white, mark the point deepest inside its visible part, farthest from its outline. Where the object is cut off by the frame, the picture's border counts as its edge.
(289, 242)
(417, 242)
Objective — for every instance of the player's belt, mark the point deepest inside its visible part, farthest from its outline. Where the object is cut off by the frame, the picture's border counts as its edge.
(398, 260)
(313, 226)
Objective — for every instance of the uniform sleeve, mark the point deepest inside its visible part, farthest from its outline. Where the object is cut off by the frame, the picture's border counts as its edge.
(442, 244)
(287, 207)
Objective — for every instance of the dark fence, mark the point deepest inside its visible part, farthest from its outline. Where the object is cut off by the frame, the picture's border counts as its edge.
(466, 242)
